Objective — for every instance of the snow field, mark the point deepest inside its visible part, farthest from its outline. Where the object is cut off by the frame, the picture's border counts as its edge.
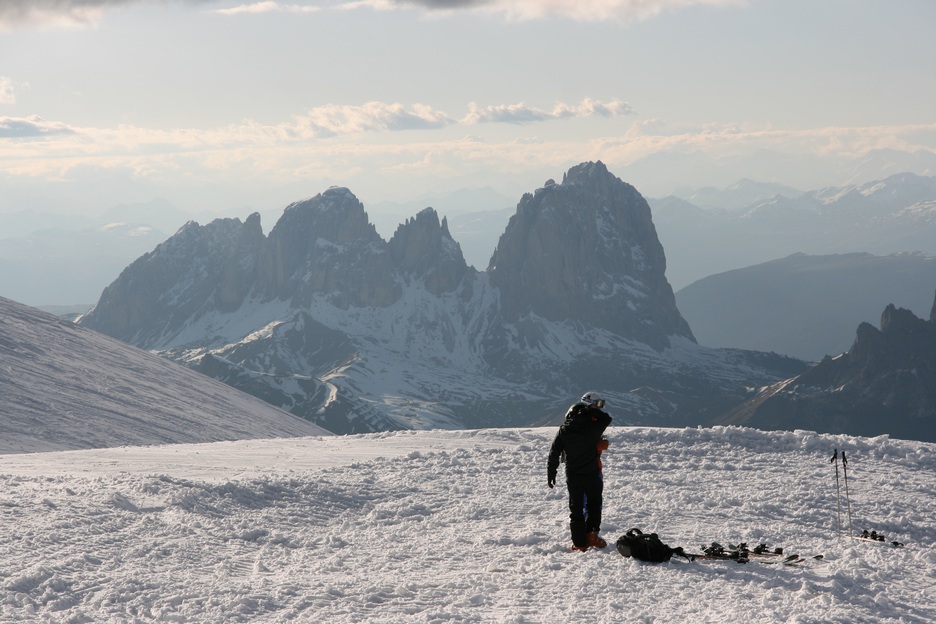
(460, 527)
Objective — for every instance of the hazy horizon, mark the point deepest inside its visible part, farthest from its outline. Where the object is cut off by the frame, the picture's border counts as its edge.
(228, 107)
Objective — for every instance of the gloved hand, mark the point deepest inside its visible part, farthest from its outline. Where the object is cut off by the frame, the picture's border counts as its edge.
(551, 480)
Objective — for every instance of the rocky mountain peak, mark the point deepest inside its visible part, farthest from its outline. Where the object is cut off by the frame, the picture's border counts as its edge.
(180, 280)
(883, 384)
(422, 247)
(592, 173)
(315, 237)
(899, 320)
(336, 216)
(587, 250)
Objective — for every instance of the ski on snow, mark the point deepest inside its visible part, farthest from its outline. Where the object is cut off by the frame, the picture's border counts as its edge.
(874, 536)
(742, 554)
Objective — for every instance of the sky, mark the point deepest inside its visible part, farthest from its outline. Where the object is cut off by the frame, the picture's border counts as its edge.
(226, 106)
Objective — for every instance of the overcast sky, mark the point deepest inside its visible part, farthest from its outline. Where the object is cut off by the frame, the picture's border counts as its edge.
(221, 104)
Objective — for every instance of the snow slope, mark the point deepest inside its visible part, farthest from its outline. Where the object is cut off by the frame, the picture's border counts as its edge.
(64, 387)
(459, 526)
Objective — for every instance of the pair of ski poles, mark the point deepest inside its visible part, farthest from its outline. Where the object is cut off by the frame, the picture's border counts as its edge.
(838, 496)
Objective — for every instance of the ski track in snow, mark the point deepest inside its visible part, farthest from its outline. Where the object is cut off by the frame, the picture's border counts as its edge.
(459, 526)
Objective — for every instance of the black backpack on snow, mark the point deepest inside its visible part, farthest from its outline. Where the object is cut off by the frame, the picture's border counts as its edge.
(646, 547)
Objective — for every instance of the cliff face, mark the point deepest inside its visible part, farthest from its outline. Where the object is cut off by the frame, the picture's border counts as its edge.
(325, 245)
(327, 320)
(423, 248)
(199, 269)
(586, 250)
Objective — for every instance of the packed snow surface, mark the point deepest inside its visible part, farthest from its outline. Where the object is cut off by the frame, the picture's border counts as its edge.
(459, 526)
(63, 386)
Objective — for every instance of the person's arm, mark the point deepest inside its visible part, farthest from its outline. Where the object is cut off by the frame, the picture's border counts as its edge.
(603, 418)
(552, 464)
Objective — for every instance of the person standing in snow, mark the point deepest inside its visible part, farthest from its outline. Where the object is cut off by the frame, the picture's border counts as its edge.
(579, 443)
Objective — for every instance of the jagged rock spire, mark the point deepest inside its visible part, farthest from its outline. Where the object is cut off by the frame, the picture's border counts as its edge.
(423, 248)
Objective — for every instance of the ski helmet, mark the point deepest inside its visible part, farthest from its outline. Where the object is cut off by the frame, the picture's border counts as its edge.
(593, 398)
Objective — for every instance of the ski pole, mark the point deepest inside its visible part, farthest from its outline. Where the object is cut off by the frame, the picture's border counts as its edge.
(847, 499)
(838, 503)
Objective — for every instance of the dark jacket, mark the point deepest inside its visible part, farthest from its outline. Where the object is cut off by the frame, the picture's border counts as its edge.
(578, 438)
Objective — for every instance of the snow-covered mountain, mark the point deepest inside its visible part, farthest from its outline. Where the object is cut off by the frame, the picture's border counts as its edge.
(738, 196)
(326, 319)
(66, 387)
(883, 384)
(459, 527)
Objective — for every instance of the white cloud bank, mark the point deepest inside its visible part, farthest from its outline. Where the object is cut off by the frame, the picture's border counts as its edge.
(81, 13)
(623, 11)
(328, 143)
(268, 7)
(321, 122)
(520, 113)
(333, 120)
(30, 127)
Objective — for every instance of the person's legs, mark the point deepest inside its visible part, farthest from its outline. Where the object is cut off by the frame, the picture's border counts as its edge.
(577, 512)
(594, 489)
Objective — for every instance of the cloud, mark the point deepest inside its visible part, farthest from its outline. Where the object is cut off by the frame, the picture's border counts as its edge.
(7, 94)
(522, 114)
(53, 13)
(326, 143)
(30, 127)
(332, 120)
(268, 7)
(68, 13)
(324, 121)
(80, 13)
(623, 11)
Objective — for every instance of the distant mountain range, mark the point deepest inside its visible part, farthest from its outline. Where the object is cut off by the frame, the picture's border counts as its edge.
(64, 387)
(328, 320)
(894, 215)
(52, 259)
(805, 306)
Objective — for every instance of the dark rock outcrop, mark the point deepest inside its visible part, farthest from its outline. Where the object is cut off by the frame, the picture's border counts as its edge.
(325, 245)
(885, 384)
(423, 248)
(199, 269)
(586, 250)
